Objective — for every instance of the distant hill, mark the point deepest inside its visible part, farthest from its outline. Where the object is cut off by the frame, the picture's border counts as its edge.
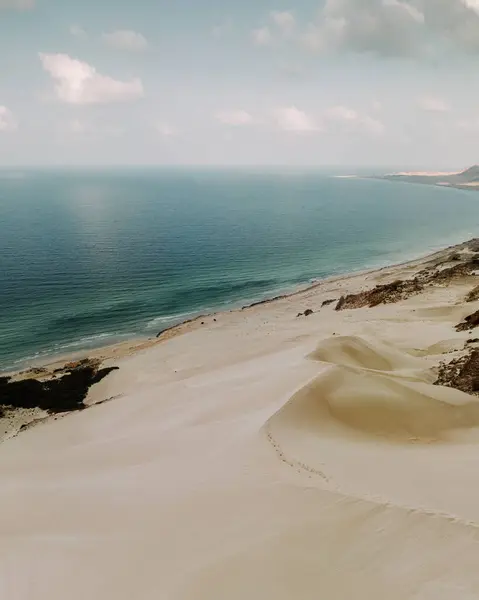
(470, 175)
(467, 179)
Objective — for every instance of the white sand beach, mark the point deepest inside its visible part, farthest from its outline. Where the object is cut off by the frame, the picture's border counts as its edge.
(425, 173)
(261, 455)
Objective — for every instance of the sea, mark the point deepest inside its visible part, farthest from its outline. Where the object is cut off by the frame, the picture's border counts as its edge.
(90, 257)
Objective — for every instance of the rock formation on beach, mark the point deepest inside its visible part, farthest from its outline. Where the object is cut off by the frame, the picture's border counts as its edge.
(64, 391)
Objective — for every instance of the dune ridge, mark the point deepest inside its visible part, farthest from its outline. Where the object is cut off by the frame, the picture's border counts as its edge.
(263, 455)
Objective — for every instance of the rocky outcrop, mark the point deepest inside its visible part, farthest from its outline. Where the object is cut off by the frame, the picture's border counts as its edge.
(62, 393)
(473, 295)
(402, 289)
(461, 373)
(306, 313)
(381, 294)
(469, 322)
(328, 302)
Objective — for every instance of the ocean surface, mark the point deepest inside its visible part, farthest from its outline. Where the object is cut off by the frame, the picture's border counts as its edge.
(90, 257)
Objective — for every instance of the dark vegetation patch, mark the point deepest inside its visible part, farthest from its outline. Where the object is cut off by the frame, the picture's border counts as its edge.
(381, 294)
(461, 373)
(402, 289)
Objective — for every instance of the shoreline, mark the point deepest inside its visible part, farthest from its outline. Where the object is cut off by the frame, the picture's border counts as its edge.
(336, 422)
(110, 353)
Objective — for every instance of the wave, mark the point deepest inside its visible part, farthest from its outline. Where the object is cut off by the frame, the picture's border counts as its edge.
(90, 341)
(169, 319)
(94, 316)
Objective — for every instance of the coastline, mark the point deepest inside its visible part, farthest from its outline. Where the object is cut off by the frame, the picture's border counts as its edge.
(338, 421)
(110, 353)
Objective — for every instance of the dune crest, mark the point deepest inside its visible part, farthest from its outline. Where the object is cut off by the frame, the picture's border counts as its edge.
(373, 422)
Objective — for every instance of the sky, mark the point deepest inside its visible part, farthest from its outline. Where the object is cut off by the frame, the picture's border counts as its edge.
(250, 82)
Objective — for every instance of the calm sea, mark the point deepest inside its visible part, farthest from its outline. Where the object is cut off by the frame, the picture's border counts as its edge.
(93, 257)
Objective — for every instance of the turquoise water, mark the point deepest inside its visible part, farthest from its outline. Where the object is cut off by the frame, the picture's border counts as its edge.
(92, 257)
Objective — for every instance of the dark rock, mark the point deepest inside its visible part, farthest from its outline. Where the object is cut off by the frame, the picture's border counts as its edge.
(455, 256)
(328, 302)
(62, 394)
(308, 312)
(470, 322)
(299, 315)
(472, 341)
(38, 371)
(473, 295)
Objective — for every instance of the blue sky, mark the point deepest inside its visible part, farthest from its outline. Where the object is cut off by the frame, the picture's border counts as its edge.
(256, 82)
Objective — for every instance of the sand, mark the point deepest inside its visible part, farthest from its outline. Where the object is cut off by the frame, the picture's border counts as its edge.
(261, 455)
(425, 173)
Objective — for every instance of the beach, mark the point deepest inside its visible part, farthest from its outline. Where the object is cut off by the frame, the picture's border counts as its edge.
(263, 453)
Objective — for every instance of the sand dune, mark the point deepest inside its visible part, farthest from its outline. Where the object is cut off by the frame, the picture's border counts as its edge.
(358, 352)
(260, 456)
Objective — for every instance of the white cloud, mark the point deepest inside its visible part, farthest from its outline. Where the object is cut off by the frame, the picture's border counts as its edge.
(77, 31)
(290, 118)
(284, 20)
(7, 120)
(342, 113)
(387, 27)
(433, 104)
(77, 82)
(165, 129)
(234, 117)
(17, 4)
(412, 10)
(410, 28)
(472, 4)
(377, 106)
(126, 40)
(350, 121)
(262, 36)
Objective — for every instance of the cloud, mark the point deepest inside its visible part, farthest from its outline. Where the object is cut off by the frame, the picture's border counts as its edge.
(388, 27)
(284, 20)
(262, 36)
(77, 82)
(78, 31)
(290, 118)
(350, 121)
(17, 4)
(7, 120)
(433, 104)
(234, 117)
(165, 129)
(404, 28)
(126, 40)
